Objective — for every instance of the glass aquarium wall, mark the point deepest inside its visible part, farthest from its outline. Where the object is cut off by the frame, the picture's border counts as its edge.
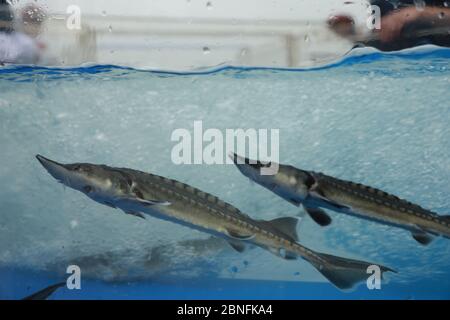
(122, 123)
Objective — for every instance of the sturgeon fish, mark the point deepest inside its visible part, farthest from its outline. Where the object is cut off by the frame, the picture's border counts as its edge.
(141, 194)
(317, 191)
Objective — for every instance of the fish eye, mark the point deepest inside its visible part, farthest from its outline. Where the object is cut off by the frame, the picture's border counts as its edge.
(87, 189)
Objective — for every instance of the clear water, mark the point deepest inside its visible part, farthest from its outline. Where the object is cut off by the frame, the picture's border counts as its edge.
(379, 119)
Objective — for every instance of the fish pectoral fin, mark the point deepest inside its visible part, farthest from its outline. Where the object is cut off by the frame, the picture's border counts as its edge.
(317, 193)
(318, 215)
(238, 246)
(287, 225)
(422, 237)
(238, 236)
(146, 202)
(136, 214)
(153, 202)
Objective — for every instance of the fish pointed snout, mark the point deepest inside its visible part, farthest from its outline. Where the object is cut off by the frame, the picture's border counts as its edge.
(245, 162)
(57, 170)
(43, 160)
(47, 163)
(237, 159)
(249, 168)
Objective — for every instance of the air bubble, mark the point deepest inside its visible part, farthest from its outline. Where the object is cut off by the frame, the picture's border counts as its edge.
(206, 50)
(209, 5)
(420, 5)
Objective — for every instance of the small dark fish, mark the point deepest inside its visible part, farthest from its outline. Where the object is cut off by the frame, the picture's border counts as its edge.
(45, 293)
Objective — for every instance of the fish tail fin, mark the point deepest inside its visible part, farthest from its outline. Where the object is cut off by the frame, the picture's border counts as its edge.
(342, 272)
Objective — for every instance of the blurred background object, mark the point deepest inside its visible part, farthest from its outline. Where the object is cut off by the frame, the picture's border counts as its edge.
(402, 24)
(190, 34)
(187, 34)
(15, 45)
(6, 17)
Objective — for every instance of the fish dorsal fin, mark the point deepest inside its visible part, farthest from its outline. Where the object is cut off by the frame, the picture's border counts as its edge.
(287, 225)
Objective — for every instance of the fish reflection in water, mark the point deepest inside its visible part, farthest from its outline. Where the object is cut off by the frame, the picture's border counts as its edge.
(186, 258)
